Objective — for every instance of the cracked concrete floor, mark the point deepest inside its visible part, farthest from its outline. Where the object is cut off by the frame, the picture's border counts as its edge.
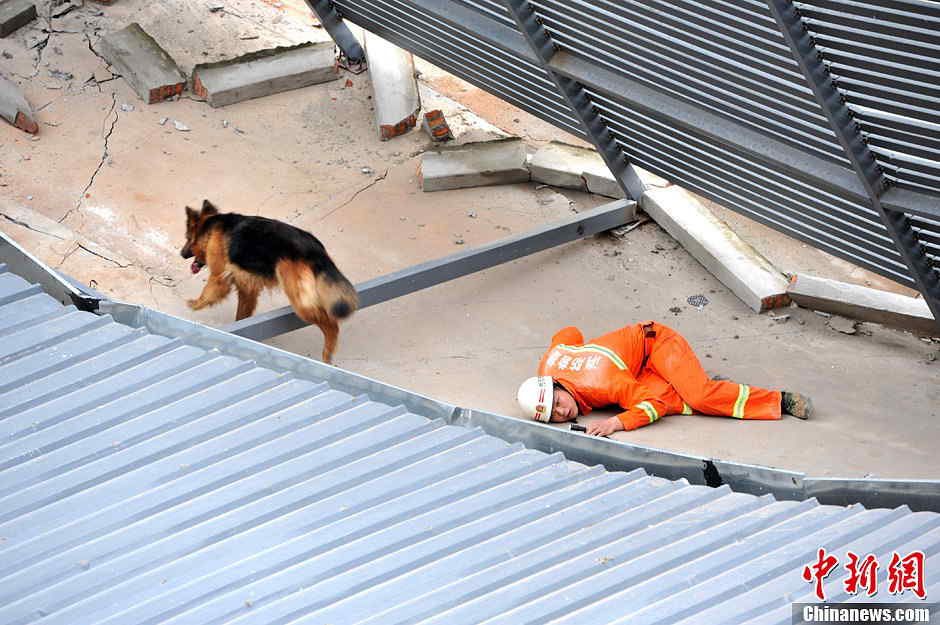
(100, 195)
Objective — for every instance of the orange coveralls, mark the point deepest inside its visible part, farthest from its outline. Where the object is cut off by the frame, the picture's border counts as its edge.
(650, 371)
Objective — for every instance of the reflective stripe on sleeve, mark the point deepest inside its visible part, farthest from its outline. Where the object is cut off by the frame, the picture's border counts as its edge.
(647, 407)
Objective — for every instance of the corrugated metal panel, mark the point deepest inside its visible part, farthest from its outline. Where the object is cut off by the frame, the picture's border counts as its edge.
(885, 58)
(145, 480)
(508, 76)
(727, 57)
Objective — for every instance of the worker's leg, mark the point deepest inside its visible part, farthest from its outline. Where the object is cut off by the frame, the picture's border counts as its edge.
(672, 357)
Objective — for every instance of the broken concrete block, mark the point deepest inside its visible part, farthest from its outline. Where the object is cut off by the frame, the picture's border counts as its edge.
(140, 60)
(474, 165)
(436, 126)
(863, 303)
(264, 73)
(14, 14)
(14, 108)
(711, 242)
(394, 87)
(562, 165)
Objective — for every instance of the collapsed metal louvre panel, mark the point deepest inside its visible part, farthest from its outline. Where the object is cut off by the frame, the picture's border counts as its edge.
(928, 232)
(505, 75)
(837, 225)
(729, 58)
(493, 9)
(146, 480)
(885, 58)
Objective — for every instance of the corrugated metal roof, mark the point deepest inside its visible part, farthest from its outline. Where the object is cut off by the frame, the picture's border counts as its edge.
(145, 480)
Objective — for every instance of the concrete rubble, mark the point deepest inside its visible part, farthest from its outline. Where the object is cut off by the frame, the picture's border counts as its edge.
(15, 14)
(265, 72)
(474, 165)
(862, 303)
(140, 60)
(712, 243)
(14, 108)
(394, 87)
(568, 166)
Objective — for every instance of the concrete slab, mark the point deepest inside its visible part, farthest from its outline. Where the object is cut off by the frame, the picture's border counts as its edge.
(141, 61)
(395, 90)
(736, 264)
(863, 303)
(14, 14)
(14, 108)
(265, 72)
(474, 165)
(571, 166)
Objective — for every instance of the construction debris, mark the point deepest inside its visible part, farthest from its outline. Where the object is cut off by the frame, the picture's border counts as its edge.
(862, 303)
(140, 60)
(711, 242)
(264, 73)
(841, 324)
(474, 165)
(14, 14)
(14, 108)
(562, 165)
(394, 87)
(622, 231)
(436, 126)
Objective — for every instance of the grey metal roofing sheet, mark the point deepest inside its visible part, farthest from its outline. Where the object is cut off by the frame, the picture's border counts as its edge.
(146, 480)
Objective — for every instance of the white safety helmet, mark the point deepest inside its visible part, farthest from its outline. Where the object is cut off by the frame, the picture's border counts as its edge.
(535, 397)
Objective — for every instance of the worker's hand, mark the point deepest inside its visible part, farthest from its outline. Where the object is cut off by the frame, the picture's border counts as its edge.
(605, 427)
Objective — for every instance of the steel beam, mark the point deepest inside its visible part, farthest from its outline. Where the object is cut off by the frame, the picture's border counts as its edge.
(384, 288)
(594, 127)
(863, 160)
(337, 29)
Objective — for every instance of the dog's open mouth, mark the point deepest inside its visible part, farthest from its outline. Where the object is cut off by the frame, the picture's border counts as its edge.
(196, 266)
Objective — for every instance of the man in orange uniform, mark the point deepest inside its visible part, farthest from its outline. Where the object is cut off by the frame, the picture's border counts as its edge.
(647, 369)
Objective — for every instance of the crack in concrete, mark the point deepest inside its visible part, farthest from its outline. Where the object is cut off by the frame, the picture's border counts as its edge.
(19, 222)
(81, 246)
(104, 156)
(356, 194)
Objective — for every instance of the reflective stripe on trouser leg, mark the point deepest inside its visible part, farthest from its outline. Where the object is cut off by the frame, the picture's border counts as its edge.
(686, 409)
(743, 392)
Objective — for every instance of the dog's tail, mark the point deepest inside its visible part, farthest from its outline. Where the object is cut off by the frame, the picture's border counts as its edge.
(317, 290)
(338, 295)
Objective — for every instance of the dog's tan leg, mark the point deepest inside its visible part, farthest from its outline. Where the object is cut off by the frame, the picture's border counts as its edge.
(216, 289)
(247, 302)
(330, 330)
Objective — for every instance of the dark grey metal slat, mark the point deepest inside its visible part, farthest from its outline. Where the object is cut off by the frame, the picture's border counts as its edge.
(861, 157)
(340, 33)
(540, 42)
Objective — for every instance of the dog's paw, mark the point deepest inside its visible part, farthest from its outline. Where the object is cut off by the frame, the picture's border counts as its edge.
(193, 304)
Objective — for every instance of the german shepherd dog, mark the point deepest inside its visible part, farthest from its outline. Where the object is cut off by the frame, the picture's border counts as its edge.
(254, 253)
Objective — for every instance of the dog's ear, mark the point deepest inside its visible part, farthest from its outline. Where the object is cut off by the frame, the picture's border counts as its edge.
(208, 208)
(191, 215)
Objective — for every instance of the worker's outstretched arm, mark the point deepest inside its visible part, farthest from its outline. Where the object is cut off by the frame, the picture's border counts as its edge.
(642, 408)
(568, 336)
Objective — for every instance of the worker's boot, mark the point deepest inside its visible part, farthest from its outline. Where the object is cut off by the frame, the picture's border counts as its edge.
(796, 404)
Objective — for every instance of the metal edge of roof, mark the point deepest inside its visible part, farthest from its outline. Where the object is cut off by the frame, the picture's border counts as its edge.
(30, 268)
(614, 455)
